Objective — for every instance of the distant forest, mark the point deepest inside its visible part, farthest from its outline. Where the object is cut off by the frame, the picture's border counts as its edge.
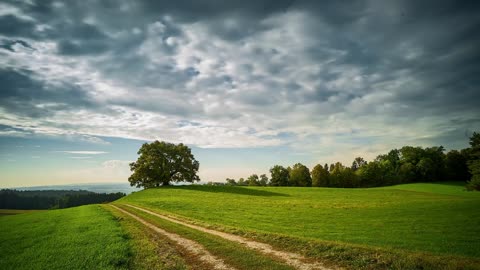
(52, 199)
(405, 165)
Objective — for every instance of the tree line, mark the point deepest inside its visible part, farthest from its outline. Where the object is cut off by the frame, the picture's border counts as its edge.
(52, 199)
(405, 165)
(161, 163)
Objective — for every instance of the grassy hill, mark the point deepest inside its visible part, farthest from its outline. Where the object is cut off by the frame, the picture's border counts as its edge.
(429, 226)
(437, 218)
(426, 222)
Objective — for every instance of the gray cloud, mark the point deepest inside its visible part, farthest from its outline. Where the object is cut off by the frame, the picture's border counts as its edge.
(312, 69)
(22, 94)
(11, 25)
(9, 44)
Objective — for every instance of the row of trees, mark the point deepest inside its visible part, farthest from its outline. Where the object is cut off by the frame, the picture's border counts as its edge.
(405, 165)
(52, 199)
(160, 163)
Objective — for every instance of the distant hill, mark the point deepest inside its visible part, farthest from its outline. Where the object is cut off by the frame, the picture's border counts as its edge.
(53, 199)
(93, 187)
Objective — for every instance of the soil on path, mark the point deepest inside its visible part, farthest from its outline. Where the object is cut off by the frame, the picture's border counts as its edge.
(191, 246)
(293, 259)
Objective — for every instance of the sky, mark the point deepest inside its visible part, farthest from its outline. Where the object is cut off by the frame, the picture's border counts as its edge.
(245, 84)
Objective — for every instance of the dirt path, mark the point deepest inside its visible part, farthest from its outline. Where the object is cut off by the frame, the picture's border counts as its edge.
(292, 259)
(192, 246)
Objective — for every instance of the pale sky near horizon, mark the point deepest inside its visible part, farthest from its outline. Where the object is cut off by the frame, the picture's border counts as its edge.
(246, 84)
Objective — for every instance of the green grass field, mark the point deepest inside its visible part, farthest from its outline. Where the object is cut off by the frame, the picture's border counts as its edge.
(233, 254)
(86, 237)
(440, 219)
(412, 226)
(149, 250)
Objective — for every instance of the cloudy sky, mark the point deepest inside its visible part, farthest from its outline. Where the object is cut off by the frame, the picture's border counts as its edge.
(246, 84)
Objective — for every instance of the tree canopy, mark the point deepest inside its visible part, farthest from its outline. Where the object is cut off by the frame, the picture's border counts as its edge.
(160, 163)
(253, 180)
(474, 162)
(320, 176)
(408, 164)
(279, 176)
(300, 176)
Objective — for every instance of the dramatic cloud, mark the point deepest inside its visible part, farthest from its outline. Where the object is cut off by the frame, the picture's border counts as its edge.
(322, 77)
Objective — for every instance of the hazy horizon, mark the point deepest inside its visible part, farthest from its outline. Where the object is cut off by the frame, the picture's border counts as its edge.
(246, 85)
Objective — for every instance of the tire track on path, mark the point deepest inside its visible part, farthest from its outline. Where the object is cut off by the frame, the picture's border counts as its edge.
(191, 246)
(293, 259)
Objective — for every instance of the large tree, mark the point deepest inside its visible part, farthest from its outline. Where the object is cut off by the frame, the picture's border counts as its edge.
(161, 163)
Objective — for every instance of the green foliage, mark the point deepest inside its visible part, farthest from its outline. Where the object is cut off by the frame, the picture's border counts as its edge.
(425, 218)
(456, 166)
(52, 199)
(230, 182)
(252, 180)
(437, 156)
(160, 163)
(475, 144)
(241, 182)
(474, 183)
(429, 163)
(320, 176)
(474, 160)
(336, 176)
(279, 176)
(341, 176)
(357, 163)
(86, 237)
(349, 178)
(370, 174)
(405, 165)
(299, 176)
(263, 180)
(425, 168)
(408, 164)
(411, 154)
(474, 167)
(407, 173)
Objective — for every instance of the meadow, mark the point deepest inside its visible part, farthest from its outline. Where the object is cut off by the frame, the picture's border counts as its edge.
(85, 237)
(439, 219)
(412, 226)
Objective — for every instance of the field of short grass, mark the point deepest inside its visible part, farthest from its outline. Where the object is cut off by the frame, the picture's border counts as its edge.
(413, 226)
(86, 237)
(232, 253)
(150, 250)
(439, 219)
